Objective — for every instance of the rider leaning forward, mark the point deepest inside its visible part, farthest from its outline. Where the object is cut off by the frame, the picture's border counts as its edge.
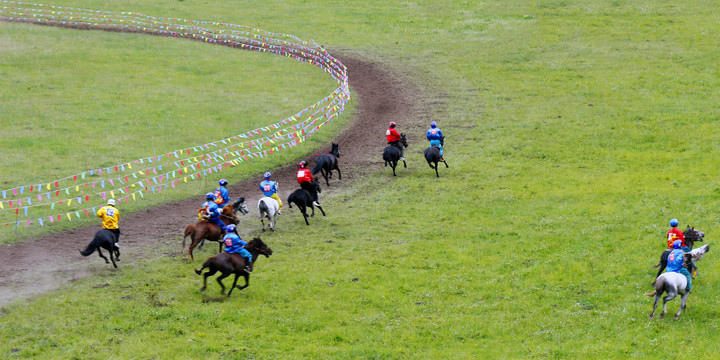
(235, 245)
(269, 188)
(221, 194)
(110, 219)
(676, 262)
(305, 179)
(436, 138)
(211, 209)
(675, 234)
(393, 138)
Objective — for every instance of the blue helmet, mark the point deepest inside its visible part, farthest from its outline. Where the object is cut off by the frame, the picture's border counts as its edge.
(674, 222)
(222, 182)
(230, 228)
(267, 175)
(677, 244)
(209, 196)
(433, 124)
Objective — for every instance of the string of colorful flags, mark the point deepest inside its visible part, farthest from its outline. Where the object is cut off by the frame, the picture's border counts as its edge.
(80, 194)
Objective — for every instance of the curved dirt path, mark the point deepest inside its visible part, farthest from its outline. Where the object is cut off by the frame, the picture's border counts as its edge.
(40, 265)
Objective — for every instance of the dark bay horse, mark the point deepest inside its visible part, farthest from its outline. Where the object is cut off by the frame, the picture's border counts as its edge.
(103, 239)
(233, 264)
(303, 199)
(432, 155)
(691, 237)
(328, 162)
(392, 154)
(202, 231)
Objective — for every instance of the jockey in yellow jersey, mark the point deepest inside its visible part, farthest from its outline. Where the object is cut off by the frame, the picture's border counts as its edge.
(110, 216)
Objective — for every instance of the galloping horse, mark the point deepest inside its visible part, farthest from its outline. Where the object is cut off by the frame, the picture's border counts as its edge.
(432, 155)
(328, 162)
(268, 208)
(208, 231)
(106, 240)
(391, 154)
(673, 283)
(303, 199)
(233, 264)
(691, 236)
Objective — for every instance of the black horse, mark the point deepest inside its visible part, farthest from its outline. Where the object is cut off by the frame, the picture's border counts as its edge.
(691, 237)
(233, 264)
(103, 239)
(328, 162)
(392, 154)
(432, 155)
(303, 199)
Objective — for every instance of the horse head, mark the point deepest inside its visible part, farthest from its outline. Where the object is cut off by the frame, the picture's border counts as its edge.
(335, 150)
(316, 186)
(239, 205)
(403, 140)
(692, 235)
(259, 246)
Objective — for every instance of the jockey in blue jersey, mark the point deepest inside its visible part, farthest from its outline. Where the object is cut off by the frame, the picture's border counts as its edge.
(675, 262)
(269, 189)
(436, 138)
(235, 245)
(211, 209)
(222, 196)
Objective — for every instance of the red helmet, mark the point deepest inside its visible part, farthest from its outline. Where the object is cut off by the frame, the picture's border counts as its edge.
(303, 164)
(392, 123)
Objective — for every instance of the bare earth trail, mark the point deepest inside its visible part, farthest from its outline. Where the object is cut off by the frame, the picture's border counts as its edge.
(44, 264)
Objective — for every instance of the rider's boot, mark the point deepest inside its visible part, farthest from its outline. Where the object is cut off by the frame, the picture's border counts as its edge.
(248, 269)
(315, 203)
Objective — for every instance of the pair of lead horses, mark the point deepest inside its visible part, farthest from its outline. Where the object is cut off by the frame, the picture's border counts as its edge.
(392, 155)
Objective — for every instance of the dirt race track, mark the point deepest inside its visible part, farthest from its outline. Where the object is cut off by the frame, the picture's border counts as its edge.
(40, 265)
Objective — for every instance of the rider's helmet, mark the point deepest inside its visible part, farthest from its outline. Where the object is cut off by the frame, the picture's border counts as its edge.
(222, 182)
(209, 196)
(677, 244)
(267, 175)
(433, 125)
(230, 228)
(674, 222)
(303, 164)
(392, 123)
(111, 202)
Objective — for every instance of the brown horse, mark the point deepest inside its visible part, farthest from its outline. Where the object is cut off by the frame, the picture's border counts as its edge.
(208, 231)
(233, 264)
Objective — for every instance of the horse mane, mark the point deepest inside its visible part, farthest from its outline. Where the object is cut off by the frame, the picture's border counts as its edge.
(254, 243)
(237, 202)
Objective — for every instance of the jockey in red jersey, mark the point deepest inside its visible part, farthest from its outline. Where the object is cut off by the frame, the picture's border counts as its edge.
(393, 138)
(305, 179)
(675, 234)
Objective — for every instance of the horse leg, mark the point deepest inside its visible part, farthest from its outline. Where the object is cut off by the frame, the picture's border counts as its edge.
(303, 209)
(404, 163)
(321, 210)
(683, 299)
(102, 256)
(219, 280)
(263, 224)
(192, 246)
(237, 275)
(657, 298)
(436, 170)
(313, 210)
(247, 282)
(445, 162)
(112, 258)
(210, 272)
(339, 174)
(274, 220)
(393, 164)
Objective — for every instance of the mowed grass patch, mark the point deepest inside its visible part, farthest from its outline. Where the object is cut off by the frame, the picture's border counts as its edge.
(538, 241)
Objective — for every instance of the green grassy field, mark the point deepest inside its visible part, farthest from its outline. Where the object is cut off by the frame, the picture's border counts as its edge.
(575, 131)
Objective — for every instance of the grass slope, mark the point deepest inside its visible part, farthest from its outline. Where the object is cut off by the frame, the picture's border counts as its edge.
(574, 135)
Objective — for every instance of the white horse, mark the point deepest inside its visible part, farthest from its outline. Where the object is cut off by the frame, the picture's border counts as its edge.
(673, 283)
(268, 208)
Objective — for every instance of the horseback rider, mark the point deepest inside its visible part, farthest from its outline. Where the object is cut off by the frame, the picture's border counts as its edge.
(211, 209)
(393, 138)
(222, 196)
(235, 245)
(110, 219)
(269, 188)
(675, 234)
(305, 179)
(675, 263)
(436, 138)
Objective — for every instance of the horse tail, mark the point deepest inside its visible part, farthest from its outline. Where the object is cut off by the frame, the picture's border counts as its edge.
(659, 285)
(206, 264)
(90, 248)
(318, 165)
(646, 294)
(189, 230)
(263, 206)
(291, 198)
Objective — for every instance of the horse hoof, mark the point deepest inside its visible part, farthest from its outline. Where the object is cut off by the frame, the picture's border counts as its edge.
(652, 317)
(676, 317)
